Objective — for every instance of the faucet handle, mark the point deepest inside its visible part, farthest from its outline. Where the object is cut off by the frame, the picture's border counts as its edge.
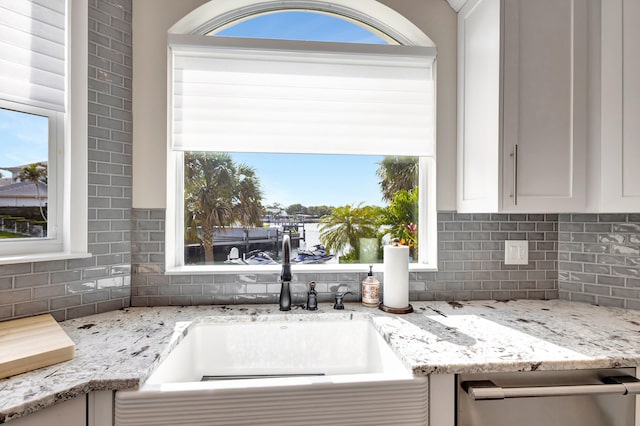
(339, 296)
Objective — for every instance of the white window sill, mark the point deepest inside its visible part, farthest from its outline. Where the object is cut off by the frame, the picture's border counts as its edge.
(252, 269)
(27, 258)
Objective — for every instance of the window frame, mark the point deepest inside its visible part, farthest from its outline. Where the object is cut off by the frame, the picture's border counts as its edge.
(174, 230)
(53, 242)
(68, 156)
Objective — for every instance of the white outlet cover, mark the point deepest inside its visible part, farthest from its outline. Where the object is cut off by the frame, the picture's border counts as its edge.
(516, 252)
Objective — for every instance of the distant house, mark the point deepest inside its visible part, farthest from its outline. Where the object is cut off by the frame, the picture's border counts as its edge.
(23, 194)
(16, 193)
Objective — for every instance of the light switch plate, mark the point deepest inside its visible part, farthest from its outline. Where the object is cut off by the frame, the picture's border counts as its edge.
(516, 252)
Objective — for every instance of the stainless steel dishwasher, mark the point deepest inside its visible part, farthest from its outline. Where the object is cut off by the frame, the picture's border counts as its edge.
(605, 397)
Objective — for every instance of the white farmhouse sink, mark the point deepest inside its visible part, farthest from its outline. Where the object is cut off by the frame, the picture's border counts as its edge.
(279, 348)
(283, 370)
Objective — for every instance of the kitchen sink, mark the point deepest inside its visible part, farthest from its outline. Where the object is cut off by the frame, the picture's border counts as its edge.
(278, 370)
(279, 348)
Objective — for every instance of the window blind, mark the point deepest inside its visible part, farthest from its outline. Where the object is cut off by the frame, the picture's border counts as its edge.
(32, 52)
(300, 97)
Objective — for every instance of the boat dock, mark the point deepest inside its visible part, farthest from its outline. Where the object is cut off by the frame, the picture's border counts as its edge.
(267, 239)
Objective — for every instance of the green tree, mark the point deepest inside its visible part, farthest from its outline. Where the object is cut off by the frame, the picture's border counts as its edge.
(218, 193)
(297, 209)
(275, 206)
(401, 218)
(37, 174)
(342, 229)
(319, 210)
(396, 174)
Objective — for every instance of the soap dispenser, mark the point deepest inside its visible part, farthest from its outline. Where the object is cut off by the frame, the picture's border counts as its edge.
(312, 297)
(370, 290)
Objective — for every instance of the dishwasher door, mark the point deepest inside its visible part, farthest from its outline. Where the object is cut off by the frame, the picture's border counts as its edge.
(543, 398)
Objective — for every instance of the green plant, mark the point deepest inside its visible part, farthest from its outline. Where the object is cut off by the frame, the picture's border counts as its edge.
(401, 217)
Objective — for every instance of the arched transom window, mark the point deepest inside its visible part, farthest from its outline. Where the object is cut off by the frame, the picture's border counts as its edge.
(314, 123)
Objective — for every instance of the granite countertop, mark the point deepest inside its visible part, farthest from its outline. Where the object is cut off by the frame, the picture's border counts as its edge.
(119, 349)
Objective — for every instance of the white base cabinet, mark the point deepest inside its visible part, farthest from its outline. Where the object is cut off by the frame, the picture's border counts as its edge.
(68, 413)
(93, 409)
(522, 112)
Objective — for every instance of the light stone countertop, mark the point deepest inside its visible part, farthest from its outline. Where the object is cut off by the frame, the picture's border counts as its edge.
(119, 349)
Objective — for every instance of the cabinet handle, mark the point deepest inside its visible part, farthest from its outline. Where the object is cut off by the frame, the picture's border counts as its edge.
(514, 154)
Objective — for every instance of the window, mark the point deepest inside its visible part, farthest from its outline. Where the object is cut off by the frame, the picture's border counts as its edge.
(272, 135)
(24, 186)
(40, 194)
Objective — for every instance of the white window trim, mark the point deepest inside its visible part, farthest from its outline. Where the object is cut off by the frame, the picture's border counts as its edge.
(72, 166)
(219, 12)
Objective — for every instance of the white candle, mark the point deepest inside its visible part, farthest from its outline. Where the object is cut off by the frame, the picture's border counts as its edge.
(396, 277)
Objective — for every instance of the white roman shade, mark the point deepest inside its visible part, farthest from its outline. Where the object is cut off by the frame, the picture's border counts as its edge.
(300, 97)
(32, 52)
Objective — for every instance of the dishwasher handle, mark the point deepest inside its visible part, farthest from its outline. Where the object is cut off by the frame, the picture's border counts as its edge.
(485, 389)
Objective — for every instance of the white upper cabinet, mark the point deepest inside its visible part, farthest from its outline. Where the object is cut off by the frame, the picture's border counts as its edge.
(620, 126)
(522, 94)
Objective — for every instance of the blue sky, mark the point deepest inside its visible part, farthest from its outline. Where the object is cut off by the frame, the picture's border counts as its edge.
(23, 139)
(312, 180)
(302, 26)
(332, 180)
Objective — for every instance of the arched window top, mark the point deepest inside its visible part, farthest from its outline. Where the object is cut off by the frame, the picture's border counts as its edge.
(303, 25)
(370, 15)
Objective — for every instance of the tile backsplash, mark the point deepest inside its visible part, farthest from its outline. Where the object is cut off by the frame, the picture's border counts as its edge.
(599, 259)
(592, 258)
(471, 254)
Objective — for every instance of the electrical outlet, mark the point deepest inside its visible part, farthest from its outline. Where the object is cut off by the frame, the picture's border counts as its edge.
(516, 252)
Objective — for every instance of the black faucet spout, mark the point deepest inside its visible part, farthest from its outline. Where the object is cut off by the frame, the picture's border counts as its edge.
(285, 275)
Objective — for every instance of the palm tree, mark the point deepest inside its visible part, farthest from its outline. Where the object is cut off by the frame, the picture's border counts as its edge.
(218, 194)
(344, 226)
(396, 174)
(37, 174)
(247, 210)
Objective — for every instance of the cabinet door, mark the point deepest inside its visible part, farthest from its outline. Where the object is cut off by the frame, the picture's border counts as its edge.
(68, 413)
(544, 116)
(620, 106)
(478, 185)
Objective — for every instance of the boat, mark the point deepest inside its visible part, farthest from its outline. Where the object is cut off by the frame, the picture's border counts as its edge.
(254, 257)
(258, 257)
(317, 254)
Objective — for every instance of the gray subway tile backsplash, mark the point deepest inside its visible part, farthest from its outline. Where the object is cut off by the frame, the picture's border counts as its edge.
(602, 262)
(593, 260)
(470, 266)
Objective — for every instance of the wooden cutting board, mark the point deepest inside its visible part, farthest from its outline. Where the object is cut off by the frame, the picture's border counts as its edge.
(30, 343)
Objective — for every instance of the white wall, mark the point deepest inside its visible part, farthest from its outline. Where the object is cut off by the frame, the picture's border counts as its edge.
(152, 19)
